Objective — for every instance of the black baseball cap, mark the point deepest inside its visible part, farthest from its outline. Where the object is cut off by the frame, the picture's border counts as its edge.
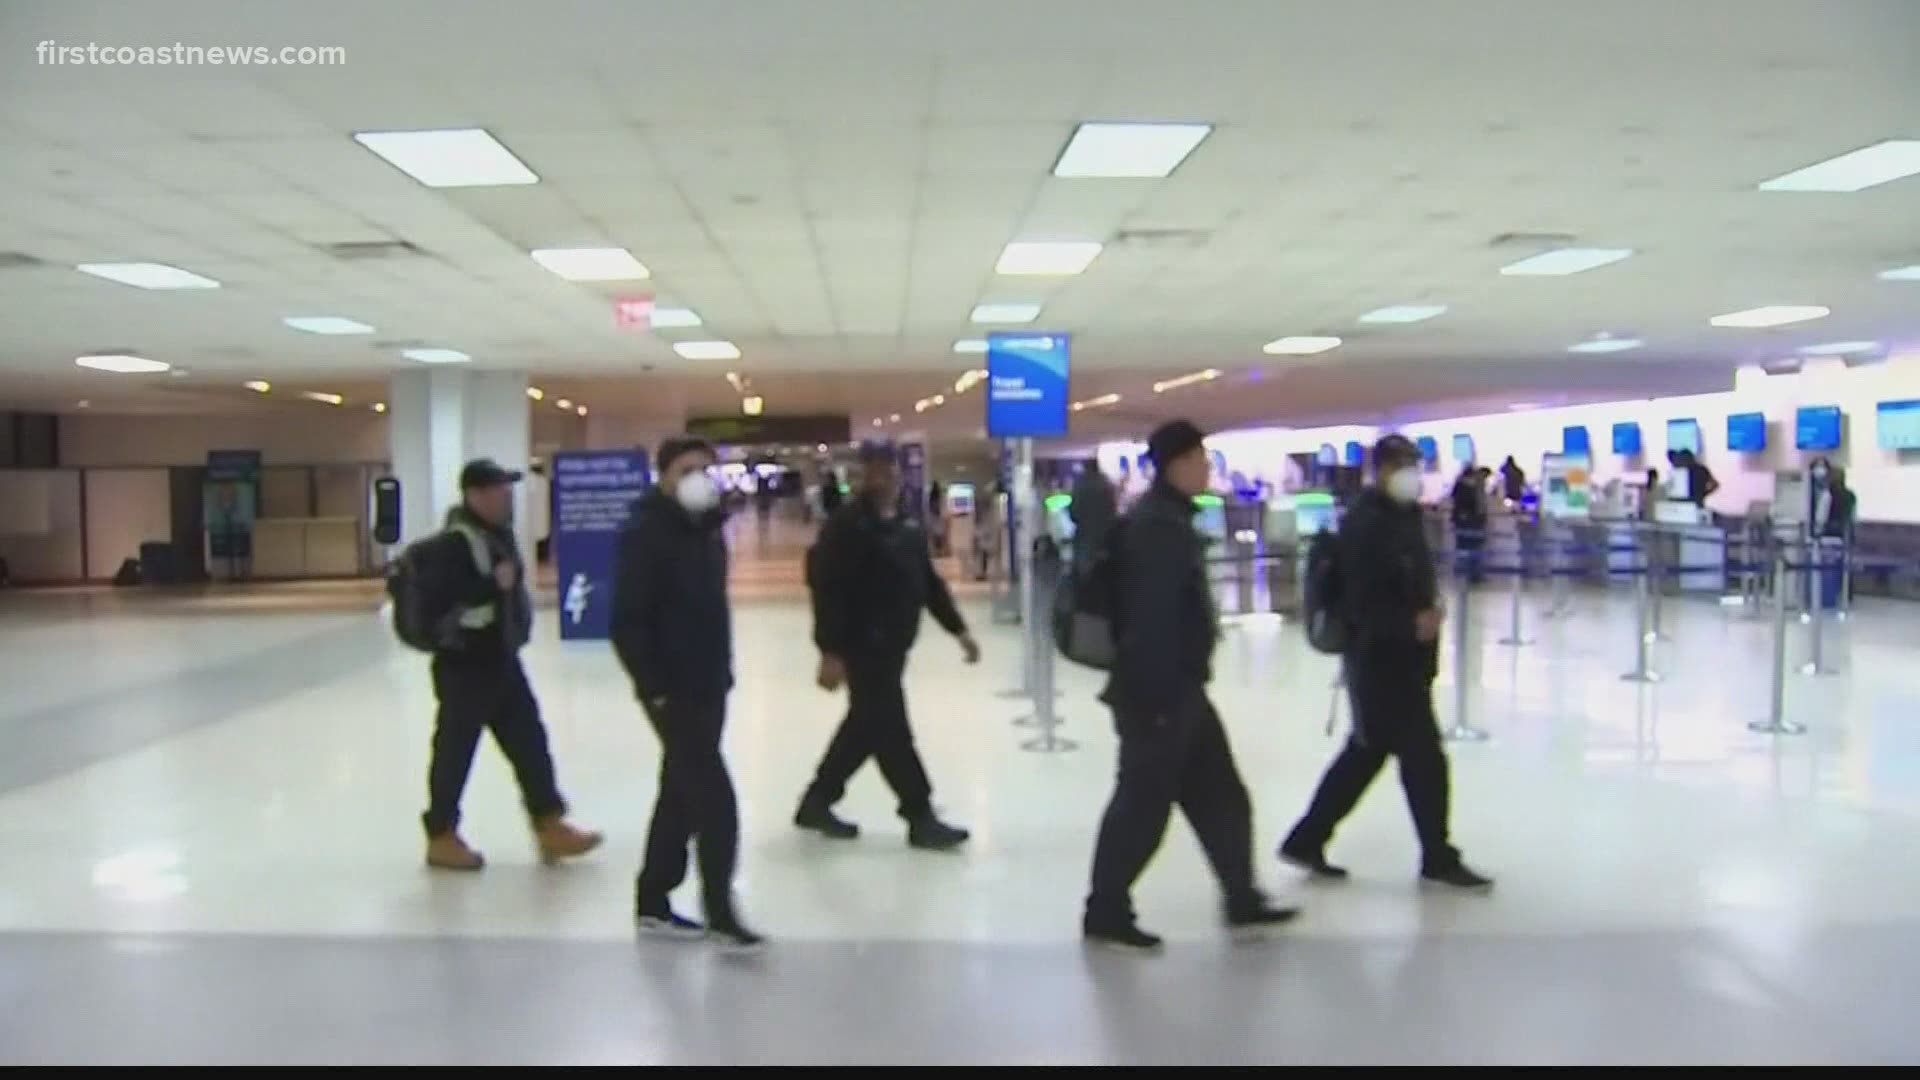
(486, 473)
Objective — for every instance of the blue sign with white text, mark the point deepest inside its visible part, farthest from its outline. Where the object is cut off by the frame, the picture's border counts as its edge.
(1027, 385)
(593, 491)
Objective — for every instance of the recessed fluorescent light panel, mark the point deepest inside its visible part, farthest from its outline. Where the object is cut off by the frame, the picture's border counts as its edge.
(1404, 313)
(1299, 346)
(259, 386)
(591, 264)
(1857, 171)
(707, 350)
(1839, 348)
(143, 275)
(1005, 313)
(536, 393)
(1777, 315)
(667, 317)
(1046, 258)
(379, 406)
(1096, 402)
(753, 406)
(1187, 380)
(1563, 261)
(970, 345)
(1128, 151)
(122, 364)
(436, 356)
(463, 157)
(1606, 345)
(1901, 273)
(327, 324)
(323, 398)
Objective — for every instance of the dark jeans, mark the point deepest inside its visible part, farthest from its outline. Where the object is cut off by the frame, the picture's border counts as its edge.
(486, 694)
(695, 804)
(1165, 761)
(1473, 557)
(875, 727)
(1392, 717)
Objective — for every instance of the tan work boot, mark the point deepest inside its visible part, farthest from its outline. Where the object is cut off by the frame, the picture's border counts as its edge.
(558, 839)
(448, 852)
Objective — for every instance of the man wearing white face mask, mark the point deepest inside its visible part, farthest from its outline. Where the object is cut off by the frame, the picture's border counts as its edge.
(1391, 603)
(672, 629)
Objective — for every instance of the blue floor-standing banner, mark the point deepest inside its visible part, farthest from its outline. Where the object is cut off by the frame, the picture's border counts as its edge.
(593, 490)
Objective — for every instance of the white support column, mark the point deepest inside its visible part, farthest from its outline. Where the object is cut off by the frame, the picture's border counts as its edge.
(438, 420)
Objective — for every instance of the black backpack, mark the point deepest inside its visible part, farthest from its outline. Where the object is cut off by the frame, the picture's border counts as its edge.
(1323, 601)
(414, 623)
(1086, 606)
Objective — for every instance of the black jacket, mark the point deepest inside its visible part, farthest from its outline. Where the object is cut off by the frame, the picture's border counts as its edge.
(1469, 504)
(871, 578)
(1093, 509)
(1387, 578)
(493, 623)
(1166, 619)
(671, 625)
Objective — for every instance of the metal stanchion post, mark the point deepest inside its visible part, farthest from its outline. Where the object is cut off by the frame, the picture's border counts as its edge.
(1514, 636)
(1643, 632)
(1462, 729)
(1816, 651)
(1776, 722)
(1656, 589)
(1844, 602)
(1044, 573)
(1022, 517)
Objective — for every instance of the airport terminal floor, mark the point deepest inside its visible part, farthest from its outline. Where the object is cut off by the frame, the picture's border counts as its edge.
(209, 852)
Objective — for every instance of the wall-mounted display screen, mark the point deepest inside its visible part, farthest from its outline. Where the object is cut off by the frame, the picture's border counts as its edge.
(1429, 448)
(1575, 440)
(1356, 454)
(1747, 432)
(1817, 427)
(1898, 423)
(1626, 438)
(1684, 435)
(1463, 448)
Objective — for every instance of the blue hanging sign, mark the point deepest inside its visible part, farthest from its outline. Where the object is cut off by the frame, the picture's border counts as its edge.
(1027, 385)
(593, 491)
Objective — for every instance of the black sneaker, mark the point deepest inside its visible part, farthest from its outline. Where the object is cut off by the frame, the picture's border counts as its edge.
(1253, 922)
(929, 833)
(823, 820)
(1457, 875)
(1121, 937)
(664, 924)
(1313, 862)
(731, 935)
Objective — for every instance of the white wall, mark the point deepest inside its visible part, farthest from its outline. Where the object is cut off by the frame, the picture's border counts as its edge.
(125, 508)
(284, 437)
(41, 542)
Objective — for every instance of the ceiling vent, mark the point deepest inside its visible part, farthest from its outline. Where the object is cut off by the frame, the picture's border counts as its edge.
(1151, 238)
(1533, 240)
(365, 250)
(19, 260)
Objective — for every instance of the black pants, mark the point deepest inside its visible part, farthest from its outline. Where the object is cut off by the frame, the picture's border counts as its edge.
(1182, 760)
(1392, 717)
(875, 727)
(486, 694)
(695, 805)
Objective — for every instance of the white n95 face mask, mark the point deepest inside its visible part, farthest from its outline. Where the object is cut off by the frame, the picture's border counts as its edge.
(1403, 486)
(696, 492)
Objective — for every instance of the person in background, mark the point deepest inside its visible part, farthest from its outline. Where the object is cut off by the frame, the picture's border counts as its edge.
(1173, 747)
(1094, 507)
(1470, 520)
(872, 577)
(1834, 505)
(763, 498)
(1654, 494)
(473, 576)
(1393, 606)
(937, 518)
(1701, 482)
(830, 495)
(1513, 480)
(673, 632)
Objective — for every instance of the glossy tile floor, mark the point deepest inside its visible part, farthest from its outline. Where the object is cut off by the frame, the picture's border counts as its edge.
(209, 853)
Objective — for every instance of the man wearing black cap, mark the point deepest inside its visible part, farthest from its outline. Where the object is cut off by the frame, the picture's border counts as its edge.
(871, 576)
(1173, 747)
(1393, 607)
(475, 580)
(673, 631)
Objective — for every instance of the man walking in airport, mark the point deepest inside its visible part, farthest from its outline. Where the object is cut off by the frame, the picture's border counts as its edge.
(1392, 605)
(473, 576)
(1173, 747)
(1469, 505)
(1093, 509)
(672, 629)
(871, 576)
